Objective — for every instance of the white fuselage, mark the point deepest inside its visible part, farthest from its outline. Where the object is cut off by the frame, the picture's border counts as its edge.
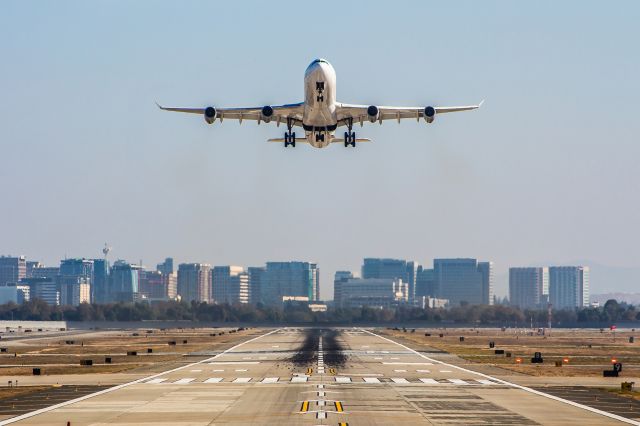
(319, 118)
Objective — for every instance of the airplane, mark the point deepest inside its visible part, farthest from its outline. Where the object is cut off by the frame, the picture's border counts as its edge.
(320, 114)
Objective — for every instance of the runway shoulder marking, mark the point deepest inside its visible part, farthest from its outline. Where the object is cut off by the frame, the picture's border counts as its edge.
(213, 380)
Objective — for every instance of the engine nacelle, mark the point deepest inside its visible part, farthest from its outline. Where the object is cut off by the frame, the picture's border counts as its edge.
(429, 114)
(210, 114)
(267, 113)
(374, 113)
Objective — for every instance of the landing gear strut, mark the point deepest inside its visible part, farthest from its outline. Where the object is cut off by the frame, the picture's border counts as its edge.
(289, 137)
(350, 137)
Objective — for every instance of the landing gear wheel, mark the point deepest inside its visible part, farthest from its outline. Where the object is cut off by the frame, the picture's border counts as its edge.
(346, 139)
(286, 140)
(292, 139)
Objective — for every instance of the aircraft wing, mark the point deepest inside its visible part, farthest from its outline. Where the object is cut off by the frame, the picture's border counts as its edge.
(359, 113)
(279, 113)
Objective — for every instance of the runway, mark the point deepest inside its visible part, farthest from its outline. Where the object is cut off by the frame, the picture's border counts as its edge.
(319, 376)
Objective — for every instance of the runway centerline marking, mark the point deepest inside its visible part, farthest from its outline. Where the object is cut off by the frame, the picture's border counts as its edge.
(124, 385)
(504, 382)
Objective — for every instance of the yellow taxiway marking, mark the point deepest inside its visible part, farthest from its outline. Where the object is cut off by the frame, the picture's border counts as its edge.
(333, 371)
(309, 371)
(343, 424)
(339, 406)
(305, 406)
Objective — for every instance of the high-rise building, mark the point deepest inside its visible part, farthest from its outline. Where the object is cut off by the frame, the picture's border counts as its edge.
(569, 286)
(12, 269)
(12, 292)
(464, 280)
(194, 282)
(297, 279)
(124, 282)
(100, 284)
(45, 272)
(392, 268)
(528, 287)
(74, 290)
(425, 283)
(230, 285)
(256, 278)
(166, 267)
(76, 275)
(171, 284)
(153, 285)
(373, 292)
(31, 265)
(340, 278)
(43, 288)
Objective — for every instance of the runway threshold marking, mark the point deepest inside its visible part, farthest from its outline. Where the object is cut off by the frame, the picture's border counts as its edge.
(124, 385)
(504, 382)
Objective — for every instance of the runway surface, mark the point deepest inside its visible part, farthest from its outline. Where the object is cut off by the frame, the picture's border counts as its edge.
(319, 376)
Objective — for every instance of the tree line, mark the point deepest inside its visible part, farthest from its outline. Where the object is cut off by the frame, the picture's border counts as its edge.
(501, 315)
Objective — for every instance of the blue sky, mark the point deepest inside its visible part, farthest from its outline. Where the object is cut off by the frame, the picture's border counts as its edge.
(546, 171)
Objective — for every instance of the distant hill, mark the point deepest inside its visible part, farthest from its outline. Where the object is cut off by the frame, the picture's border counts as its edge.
(631, 298)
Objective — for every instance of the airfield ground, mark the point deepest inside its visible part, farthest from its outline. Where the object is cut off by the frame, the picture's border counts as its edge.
(319, 376)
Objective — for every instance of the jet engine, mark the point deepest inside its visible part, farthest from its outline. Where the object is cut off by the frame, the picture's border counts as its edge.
(210, 115)
(373, 113)
(429, 114)
(267, 113)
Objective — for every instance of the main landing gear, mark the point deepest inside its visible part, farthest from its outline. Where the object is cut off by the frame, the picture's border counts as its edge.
(350, 137)
(289, 137)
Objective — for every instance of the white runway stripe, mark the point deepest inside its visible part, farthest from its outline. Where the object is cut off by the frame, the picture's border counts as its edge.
(270, 380)
(299, 379)
(429, 382)
(399, 380)
(183, 381)
(371, 380)
(242, 380)
(213, 380)
(486, 382)
(458, 382)
(343, 379)
(155, 381)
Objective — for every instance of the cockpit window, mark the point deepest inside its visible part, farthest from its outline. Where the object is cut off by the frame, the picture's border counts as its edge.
(320, 60)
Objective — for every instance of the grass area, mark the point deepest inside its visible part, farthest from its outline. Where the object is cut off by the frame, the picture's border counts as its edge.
(7, 392)
(581, 352)
(62, 355)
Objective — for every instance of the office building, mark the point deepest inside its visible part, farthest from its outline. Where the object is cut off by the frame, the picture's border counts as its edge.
(74, 290)
(425, 283)
(194, 282)
(12, 269)
(464, 281)
(373, 292)
(100, 283)
(230, 285)
(256, 278)
(392, 268)
(31, 265)
(124, 282)
(45, 272)
(77, 268)
(43, 288)
(171, 284)
(339, 278)
(166, 267)
(290, 279)
(153, 285)
(15, 293)
(528, 287)
(569, 286)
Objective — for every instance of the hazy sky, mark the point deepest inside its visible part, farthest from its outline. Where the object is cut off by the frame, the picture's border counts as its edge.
(547, 170)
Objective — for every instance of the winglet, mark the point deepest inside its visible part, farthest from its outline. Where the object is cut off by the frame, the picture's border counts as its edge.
(159, 106)
(480, 104)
